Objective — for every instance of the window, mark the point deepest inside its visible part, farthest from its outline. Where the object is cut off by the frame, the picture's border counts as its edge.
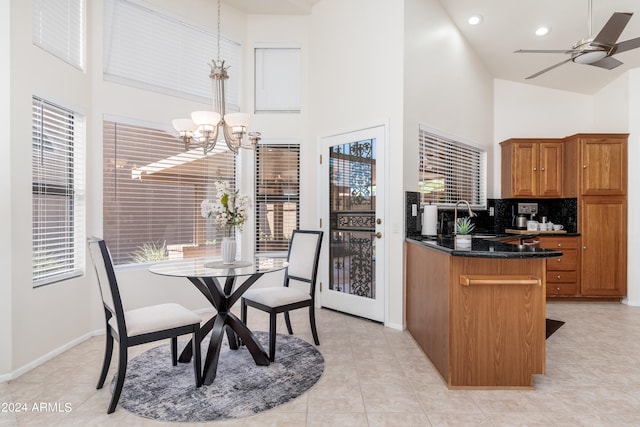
(58, 27)
(277, 85)
(147, 49)
(450, 170)
(57, 161)
(277, 204)
(152, 192)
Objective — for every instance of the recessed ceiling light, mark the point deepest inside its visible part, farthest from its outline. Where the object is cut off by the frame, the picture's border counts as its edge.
(475, 20)
(542, 31)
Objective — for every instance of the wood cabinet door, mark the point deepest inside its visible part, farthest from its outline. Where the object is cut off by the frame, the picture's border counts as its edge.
(604, 166)
(524, 169)
(603, 225)
(550, 169)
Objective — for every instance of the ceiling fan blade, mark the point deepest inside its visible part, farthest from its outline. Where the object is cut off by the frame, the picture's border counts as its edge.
(548, 69)
(546, 51)
(608, 35)
(626, 45)
(608, 62)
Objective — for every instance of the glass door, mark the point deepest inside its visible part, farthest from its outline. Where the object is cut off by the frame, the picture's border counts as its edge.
(353, 223)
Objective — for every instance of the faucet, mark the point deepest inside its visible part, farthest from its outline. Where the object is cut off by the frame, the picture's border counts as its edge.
(455, 214)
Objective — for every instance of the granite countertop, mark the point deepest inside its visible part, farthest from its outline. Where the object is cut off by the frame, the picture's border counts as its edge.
(484, 248)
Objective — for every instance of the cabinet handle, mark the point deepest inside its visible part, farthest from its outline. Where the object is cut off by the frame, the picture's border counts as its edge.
(584, 166)
(542, 169)
(558, 276)
(558, 289)
(535, 169)
(559, 260)
(499, 280)
(559, 245)
(584, 247)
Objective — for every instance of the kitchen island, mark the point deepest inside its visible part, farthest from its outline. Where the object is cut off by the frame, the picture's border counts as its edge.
(479, 312)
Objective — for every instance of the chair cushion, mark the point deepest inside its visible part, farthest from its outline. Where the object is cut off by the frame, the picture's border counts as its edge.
(276, 297)
(156, 318)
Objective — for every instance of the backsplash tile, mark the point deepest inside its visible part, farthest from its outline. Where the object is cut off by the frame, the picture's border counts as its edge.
(558, 211)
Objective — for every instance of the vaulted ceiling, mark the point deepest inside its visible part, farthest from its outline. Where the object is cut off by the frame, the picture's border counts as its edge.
(509, 25)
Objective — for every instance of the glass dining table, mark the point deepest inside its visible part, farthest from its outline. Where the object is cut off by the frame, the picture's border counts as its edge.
(206, 275)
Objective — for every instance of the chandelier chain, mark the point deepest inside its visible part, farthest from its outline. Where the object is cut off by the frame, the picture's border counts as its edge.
(218, 31)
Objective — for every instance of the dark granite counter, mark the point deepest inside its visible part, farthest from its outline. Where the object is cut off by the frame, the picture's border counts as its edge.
(484, 248)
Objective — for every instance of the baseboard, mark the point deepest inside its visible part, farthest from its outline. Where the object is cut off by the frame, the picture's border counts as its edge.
(47, 357)
(396, 326)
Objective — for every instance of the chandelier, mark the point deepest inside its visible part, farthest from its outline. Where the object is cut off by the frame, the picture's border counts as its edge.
(203, 128)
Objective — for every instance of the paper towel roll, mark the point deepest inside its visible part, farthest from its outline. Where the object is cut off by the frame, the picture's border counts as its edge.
(430, 220)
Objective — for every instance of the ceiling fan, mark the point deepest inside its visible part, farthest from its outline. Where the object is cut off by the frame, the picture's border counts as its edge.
(599, 50)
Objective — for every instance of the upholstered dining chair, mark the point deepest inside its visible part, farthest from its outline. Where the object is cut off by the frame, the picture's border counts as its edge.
(138, 326)
(303, 256)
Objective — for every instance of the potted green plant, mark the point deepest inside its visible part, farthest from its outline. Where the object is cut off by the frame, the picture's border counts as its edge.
(464, 227)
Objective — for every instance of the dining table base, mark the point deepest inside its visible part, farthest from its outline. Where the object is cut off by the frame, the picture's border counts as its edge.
(222, 300)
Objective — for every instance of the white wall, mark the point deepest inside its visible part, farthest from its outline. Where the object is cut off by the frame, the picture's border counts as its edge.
(48, 317)
(611, 106)
(446, 85)
(355, 80)
(633, 263)
(6, 258)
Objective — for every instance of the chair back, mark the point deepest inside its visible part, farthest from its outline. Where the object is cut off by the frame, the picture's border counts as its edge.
(101, 259)
(303, 257)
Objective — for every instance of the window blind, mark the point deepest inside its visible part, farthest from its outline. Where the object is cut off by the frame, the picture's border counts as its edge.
(450, 170)
(57, 193)
(58, 26)
(277, 85)
(152, 192)
(277, 204)
(150, 50)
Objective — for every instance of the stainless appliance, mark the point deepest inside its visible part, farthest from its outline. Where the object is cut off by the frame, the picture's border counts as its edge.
(521, 222)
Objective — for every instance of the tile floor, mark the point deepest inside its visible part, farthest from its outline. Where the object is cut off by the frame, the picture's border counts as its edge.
(377, 376)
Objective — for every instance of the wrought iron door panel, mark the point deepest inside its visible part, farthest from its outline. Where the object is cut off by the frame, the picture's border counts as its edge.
(352, 218)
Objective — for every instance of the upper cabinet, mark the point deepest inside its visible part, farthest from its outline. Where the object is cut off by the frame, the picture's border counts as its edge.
(532, 168)
(595, 165)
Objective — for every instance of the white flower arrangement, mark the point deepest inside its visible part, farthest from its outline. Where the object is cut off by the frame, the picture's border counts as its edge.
(229, 210)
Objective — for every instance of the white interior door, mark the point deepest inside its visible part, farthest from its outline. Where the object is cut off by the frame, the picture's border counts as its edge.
(352, 220)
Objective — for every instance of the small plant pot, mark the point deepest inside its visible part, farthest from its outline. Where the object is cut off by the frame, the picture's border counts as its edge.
(463, 241)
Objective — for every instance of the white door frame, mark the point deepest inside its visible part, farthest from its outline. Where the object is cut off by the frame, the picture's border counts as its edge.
(382, 265)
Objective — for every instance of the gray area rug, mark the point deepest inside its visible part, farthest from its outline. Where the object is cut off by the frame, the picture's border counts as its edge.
(155, 389)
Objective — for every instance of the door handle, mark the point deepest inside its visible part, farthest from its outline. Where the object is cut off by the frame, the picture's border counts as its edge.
(378, 235)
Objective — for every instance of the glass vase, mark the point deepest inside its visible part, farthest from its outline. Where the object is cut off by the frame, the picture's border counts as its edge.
(228, 247)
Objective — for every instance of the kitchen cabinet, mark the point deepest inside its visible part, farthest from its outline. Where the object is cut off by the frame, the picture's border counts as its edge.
(563, 273)
(532, 168)
(593, 169)
(603, 225)
(480, 320)
(595, 165)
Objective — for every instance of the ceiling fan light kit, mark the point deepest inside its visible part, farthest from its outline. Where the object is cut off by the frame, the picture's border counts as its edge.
(597, 51)
(590, 57)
